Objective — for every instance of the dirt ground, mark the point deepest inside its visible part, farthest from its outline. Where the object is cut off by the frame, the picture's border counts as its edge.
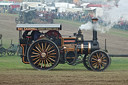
(116, 44)
(61, 77)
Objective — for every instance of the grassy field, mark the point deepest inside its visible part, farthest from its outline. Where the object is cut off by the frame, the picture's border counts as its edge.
(14, 62)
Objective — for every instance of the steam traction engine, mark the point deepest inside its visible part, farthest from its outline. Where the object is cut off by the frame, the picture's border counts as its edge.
(46, 49)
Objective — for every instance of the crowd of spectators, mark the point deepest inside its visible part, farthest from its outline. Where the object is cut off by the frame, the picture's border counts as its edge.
(123, 24)
(84, 18)
(9, 10)
(80, 17)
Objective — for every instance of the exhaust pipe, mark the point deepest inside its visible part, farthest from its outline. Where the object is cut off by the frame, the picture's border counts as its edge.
(94, 21)
(94, 35)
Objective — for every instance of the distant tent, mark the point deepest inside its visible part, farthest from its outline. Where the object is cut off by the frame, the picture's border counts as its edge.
(97, 5)
(15, 5)
(94, 5)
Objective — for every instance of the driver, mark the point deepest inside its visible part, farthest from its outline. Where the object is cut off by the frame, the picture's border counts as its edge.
(34, 35)
(25, 34)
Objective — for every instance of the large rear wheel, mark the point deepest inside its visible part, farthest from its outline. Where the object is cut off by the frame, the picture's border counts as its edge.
(43, 54)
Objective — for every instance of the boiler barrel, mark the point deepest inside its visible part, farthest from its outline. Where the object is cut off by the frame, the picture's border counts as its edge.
(86, 47)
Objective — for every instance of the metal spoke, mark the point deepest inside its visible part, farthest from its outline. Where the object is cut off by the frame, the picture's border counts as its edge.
(104, 60)
(51, 59)
(47, 47)
(50, 48)
(47, 63)
(35, 56)
(35, 53)
(104, 63)
(102, 56)
(39, 62)
(42, 64)
(36, 61)
(38, 49)
(51, 51)
(97, 55)
(94, 64)
(42, 47)
(94, 59)
(99, 66)
(52, 54)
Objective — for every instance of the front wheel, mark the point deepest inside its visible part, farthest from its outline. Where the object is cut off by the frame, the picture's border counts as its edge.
(86, 62)
(99, 60)
(43, 54)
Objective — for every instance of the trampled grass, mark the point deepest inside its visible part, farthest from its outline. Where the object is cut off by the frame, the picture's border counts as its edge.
(7, 14)
(14, 72)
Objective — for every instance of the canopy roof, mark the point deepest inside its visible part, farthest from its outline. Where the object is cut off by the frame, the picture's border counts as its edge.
(38, 27)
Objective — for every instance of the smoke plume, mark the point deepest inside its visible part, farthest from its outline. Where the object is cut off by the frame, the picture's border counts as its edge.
(87, 26)
(97, 26)
(117, 12)
(111, 15)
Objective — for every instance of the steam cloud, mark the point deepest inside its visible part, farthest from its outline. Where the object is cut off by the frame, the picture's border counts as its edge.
(89, 26)
(110, 16)
(116, 13)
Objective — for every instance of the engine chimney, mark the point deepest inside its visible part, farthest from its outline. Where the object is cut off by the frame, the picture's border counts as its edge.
(94, 21)
(94, 35)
